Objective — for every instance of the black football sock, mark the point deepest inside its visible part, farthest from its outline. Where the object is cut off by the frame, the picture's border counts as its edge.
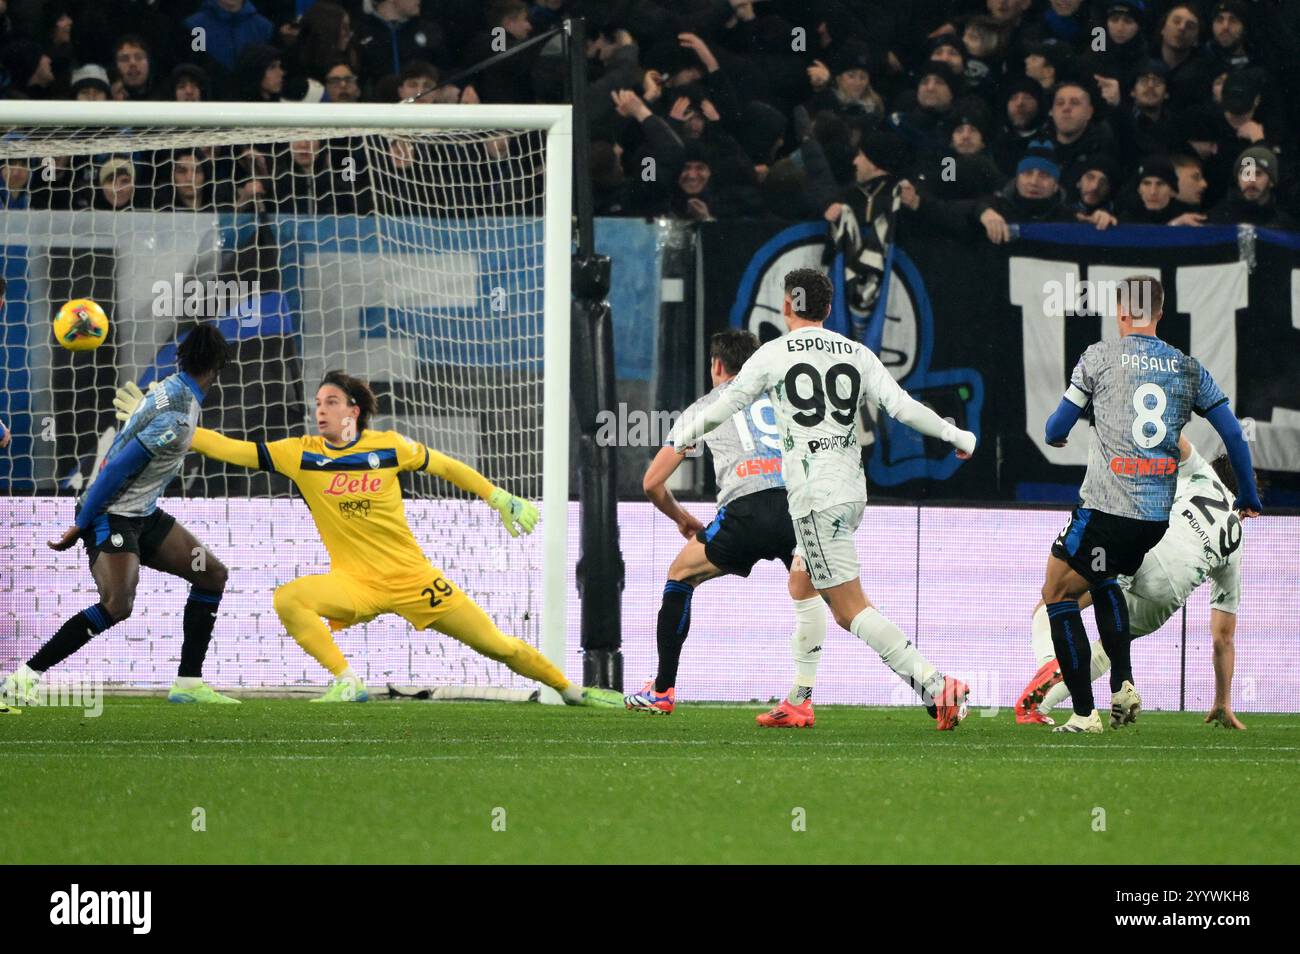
(670, 632)
(200, 617)
(1111, 611)
(71, 636)
(1073, 653)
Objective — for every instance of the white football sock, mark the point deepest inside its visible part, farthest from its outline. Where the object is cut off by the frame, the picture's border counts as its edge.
(1100, 665)
(29, 672)
(1040, 636)
(571, 694)
(187, 682)
(897, 652)
(806, 647)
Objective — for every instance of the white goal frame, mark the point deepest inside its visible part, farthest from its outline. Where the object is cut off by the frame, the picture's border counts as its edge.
(556, 122)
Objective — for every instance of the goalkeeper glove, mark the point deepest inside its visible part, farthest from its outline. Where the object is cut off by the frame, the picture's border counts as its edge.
(128, 398)
(513, 510)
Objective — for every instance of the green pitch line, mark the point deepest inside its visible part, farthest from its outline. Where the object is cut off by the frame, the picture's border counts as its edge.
(282, 781)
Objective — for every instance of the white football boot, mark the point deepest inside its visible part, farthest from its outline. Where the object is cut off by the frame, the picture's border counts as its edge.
(1124, 705)
(1077, 723)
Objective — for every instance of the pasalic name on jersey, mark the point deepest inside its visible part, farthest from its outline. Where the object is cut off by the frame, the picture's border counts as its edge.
(1142, 362)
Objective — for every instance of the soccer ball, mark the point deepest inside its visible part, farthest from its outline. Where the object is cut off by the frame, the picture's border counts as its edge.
(81, 325)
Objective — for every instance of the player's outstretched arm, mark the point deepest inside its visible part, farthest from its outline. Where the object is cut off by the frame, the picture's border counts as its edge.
(6, 435)
(208, 443)
(1223, 627)
(516, 513)
(226, 449)
(920, 418)
(743, 391)
(1228, 427)
(889, 396)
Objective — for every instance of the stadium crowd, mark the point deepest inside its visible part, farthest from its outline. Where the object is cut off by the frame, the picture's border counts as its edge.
(966, 116)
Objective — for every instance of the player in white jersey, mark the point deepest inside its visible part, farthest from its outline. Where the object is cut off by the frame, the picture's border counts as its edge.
(752, 524)
(1203, 542)
(817, 380)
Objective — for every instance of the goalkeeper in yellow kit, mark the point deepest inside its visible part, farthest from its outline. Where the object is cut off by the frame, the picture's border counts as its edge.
(348, 477)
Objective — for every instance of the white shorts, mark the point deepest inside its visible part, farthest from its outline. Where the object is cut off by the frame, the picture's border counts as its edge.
(1149, 597)
(826, 544)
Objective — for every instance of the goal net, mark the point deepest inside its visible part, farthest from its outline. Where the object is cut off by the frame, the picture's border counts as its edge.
(424, 248)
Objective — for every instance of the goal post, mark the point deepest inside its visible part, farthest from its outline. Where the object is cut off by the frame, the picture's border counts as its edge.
(426, 159)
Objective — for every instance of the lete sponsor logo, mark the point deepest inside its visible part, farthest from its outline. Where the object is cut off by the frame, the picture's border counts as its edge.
(343, 484)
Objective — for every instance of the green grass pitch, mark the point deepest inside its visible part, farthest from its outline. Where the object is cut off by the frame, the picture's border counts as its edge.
(285, 781)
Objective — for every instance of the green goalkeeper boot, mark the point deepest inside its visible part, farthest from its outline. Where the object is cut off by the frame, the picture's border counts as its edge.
(601, 698)
(202, 693)
(344, 690)
(20, 688)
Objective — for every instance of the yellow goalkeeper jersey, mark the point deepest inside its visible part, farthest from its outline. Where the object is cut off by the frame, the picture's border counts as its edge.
(352, 492)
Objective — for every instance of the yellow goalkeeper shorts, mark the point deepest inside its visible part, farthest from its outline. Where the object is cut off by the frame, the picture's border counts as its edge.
(345, 600)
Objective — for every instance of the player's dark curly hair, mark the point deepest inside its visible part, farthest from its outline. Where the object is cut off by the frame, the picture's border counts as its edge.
(204, 349)
(1223, 468)
(816, 293)
(733, 348)
(359, 395)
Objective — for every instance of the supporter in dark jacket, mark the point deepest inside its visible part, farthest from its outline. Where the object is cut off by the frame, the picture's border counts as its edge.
(27, 69)
(1145, 124)
(1191, 180)
(189, 84)
(1090, 186)
(510, 80)
(395, 35)
(116, 190)
(190, 188)
(1219, 131)
(924, 127)
(947, 49)
(1125, 48)
(228, 27)
(844, 88)
(804, 183)
(1228, 47)
(261, 76)
(1074, 128)
(1253, 198)
(654, 150)
(324, 38)
(985, 40)
(133, 62)
(1033, 196)
(1151, 200)
(1022, 117)
(610, 190)
(964, 170)
(1178, 47)
(706, 189)
(1049, 63)
(1061, 22)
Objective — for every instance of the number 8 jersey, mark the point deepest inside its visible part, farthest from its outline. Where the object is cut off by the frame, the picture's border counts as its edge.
(1143, 391)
